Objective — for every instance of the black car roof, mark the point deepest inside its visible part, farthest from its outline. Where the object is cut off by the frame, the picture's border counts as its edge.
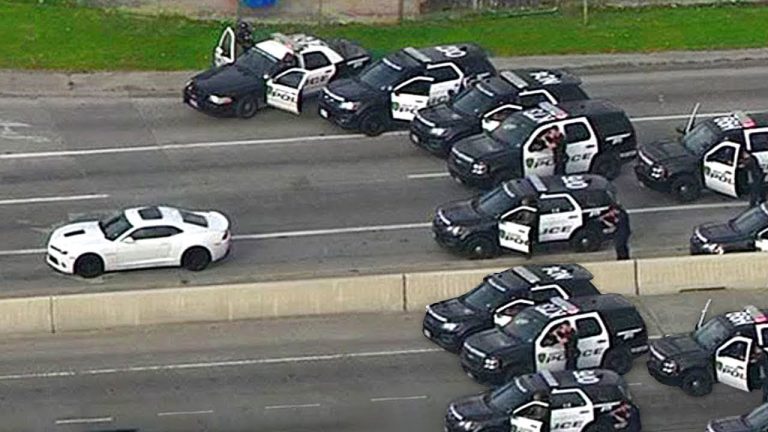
(549, 380)
(601, 302)
(590, 107)
(435, 55)
(545, 274)
(739, 120)
(748, 316)
(537, 78)
(556, 184)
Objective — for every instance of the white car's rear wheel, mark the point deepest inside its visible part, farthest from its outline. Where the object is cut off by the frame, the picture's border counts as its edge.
(89, 266)
(196, 259)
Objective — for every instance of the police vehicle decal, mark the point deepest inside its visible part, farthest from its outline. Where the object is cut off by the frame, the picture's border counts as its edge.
(451, 51)
(629, 334)
(545, 77)
(557, 272)
(574, 419)
(727, 123)
(513, 79)
(615, 140)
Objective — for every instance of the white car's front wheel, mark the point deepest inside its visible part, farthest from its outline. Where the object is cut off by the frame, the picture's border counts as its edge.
(196, 259)
(89, 266)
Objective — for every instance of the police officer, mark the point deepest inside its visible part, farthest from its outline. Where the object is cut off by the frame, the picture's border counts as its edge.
(617, 218)
(764, 373)
(556, 142)
(570, 341)
(754, 177)
(533, 222)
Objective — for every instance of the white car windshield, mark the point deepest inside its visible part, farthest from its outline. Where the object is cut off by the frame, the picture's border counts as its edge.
(115, 227)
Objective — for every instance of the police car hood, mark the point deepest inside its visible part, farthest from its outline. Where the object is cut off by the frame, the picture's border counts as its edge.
(479, 146)
(225, 79)
(443, 115)
(492, 341)
(667, 151)
(459, 213)
(353, 90)
(719, 232)
(729, 424)
(470, 408)
(673, 346)
(452, 311)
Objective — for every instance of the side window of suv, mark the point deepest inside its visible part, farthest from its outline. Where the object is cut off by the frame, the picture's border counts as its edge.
(576, 132)
(725, 155)
(533, 99)
(567, 400)
(315, 60)
(543, 294)
(588, 327)
(555, 205)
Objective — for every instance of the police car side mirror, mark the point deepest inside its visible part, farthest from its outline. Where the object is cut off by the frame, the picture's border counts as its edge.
(680, 130)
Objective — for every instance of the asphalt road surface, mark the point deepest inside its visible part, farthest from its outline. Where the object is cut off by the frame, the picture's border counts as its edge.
(365, 373)
(306, 198)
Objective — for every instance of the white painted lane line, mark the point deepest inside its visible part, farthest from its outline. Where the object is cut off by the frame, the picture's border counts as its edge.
(219, 364)
(401, 398)
(22, 252)
(89, 420)
(183, 413)
(679, 116)
(428, 175)
(689, 207)
(279, 407)
(38, 200)
(330, 231)
(182, 146)
(635, 384)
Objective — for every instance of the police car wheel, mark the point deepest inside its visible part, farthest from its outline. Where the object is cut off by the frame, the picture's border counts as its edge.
(598, 426)
(607, 165)
(685, 188)
(480, 247)
(585, 240)
(697, 383)
(246, 107)
(618, 360)
(370, 125)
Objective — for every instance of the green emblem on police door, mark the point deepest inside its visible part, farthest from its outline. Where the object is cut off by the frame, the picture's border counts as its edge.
(542, 357)
(719, 365)
(529, 162)
(707, 170)
(395, 106)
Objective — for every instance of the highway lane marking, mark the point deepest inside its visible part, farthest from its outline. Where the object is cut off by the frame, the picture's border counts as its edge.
(183, 413)
(401, 227)
(89, 420)
(187, 146)
(279, 407)
(38, 200)
(428, 175)
(218, 364)
(400, 398)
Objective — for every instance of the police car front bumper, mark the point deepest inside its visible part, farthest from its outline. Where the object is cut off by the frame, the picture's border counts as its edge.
(655, 370)
(200, 102)
(643, 174)
(343, 118)
(432, 330)
(444, 238)
(421, 137)
(473, 367)
(461, 171)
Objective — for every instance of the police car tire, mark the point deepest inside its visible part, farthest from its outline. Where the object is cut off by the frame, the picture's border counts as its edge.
(371, 125)
(246, 107)
(618, 359)
(481, 247)
(700, 376)
(685, 188)
(607, 165)
(586, 239)
(598, 426)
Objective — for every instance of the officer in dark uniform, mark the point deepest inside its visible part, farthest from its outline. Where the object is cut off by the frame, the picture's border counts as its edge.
(754, 176)
(617, 217)
(764, 373)
(556, 142)
(570, 340)
(540, 413)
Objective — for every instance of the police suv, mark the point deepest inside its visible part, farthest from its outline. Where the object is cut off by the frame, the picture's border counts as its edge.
(705, 157)
(598, 136)
(568, 210)
(489, 101)
(747, 232)
(755, 421)
(392, 89)
(276, 72)
(573, 401)
(500, 297)
(611, 333)
(718, 351)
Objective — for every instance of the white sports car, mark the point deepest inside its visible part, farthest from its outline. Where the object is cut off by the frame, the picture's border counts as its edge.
(140, 238)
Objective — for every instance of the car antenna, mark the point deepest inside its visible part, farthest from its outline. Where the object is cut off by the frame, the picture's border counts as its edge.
(703, 314)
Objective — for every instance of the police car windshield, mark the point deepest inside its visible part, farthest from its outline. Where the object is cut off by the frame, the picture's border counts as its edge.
(700, 138)
(495, 202)
(381, 75)
(749, 221)
(475, 102)
(526, 325)
(508, 397)
(713, 333)
(514, 130)
(485, 297)
(758, 419)
(256, 60)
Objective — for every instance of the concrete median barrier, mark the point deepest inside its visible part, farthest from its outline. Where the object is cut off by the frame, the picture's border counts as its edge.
(25, 315)
(676, 274)
(614, 276)
(425, 288)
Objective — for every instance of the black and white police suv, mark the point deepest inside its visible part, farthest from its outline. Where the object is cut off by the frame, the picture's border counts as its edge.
(598, 136)
(755, 421)
(391, 90)
(705, 157)
(747, 232)
(489, 101)
(611, 333)
(500, 297)
(718, 351)
(276, 72)
(569, 210)
(573, 401)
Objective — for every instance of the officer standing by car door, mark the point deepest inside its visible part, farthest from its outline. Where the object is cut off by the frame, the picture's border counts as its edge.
(556, 142)
(618, 218)
(764, 373)
(570, 340)
(754, 176)
(533, 223)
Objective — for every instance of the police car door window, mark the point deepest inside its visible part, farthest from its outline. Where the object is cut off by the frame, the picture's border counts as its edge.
(544, 294)
(567, 400)
(571, 412)
(736, 350)
(588, 327)
(559, 219)
(315, 60)
(291, 79)
(418, 87)
(758, 141)
(764, 336)
(443, 74)
(725, 155)
(555, 205)
(576, 132)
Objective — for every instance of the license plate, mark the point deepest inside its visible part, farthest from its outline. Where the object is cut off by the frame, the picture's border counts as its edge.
(323, 113)
(414, 138)
(193, 103)
(427, 333)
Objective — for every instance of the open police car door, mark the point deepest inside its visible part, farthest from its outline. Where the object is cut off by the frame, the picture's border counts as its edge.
(732, 362)
(720, 164)
(530, 417)
(409, 97)
(506, 313)
(224, 53)
(493, 118)
(761, 245)
(515, 229)
(284, 90)
(757, 144)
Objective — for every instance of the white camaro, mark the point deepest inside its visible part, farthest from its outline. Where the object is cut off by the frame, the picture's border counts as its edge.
(140, 238)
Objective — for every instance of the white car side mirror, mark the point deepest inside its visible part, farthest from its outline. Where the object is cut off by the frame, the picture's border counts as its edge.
(129, 240)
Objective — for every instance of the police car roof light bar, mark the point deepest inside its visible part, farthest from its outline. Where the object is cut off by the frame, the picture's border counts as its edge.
(757, 315)
(744, 119)
(549, 378)
(513, 79)
(418, 55)
(555, 111)
(564, 304)
(526, 274)
(537, 183)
